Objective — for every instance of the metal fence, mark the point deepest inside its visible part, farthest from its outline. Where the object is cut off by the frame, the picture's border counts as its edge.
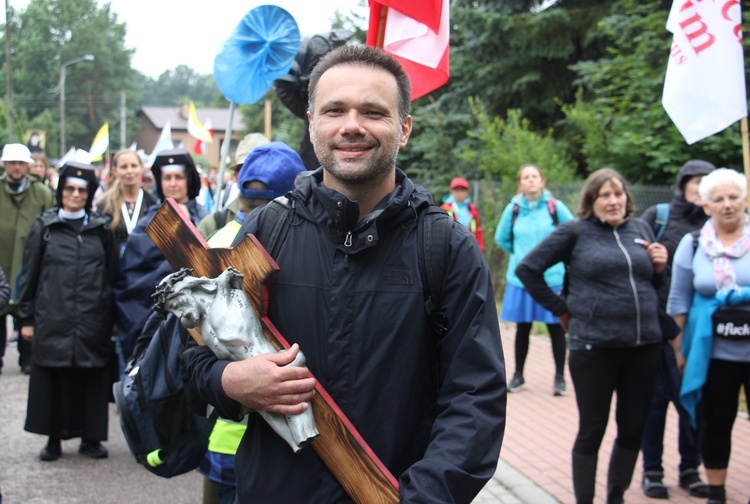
(488, 193)
(492, 197)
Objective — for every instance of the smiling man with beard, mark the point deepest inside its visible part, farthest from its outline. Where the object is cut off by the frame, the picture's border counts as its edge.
(349, 294)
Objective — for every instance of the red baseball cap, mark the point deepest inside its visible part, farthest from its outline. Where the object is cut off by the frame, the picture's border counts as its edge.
(459, 182)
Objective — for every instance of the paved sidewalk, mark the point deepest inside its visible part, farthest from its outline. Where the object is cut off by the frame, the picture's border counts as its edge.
(535, 466)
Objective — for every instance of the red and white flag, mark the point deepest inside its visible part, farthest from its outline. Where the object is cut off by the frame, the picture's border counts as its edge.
(417, 34)
(704, 89)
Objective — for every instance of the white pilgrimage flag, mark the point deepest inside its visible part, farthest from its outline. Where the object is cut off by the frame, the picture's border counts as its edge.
(100, 143)
(164, 143)
(704, 89)
(69, 156)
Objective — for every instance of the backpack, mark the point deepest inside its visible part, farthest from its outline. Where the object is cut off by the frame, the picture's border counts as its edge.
(551, 206)
(220, 218)
(662, 217)
(163, 420)
(434, 227)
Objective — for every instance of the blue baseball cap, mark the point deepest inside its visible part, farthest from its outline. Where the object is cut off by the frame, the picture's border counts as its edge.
(276, 165)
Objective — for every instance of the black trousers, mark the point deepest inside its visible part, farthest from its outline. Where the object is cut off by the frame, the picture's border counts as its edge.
(597, 374)
(719, 409)
(3, 337)
(557, 338)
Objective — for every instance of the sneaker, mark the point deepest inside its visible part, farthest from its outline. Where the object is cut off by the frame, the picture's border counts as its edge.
(560, 389)
(93, 449)
(52, 451)
(690, 480)
(517, 383)
(653, 486)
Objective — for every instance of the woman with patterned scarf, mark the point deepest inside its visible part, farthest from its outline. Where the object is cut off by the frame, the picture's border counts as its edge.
(710, 299)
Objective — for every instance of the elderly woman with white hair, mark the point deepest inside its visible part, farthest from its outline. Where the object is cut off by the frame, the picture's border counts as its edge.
(710, 299)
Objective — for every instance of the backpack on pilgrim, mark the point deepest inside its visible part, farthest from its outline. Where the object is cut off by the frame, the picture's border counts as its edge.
(163, 420)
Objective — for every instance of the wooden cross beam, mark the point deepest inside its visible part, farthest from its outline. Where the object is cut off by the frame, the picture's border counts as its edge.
(339, 445)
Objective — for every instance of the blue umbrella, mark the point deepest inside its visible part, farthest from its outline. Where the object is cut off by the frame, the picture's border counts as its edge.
(260, 50)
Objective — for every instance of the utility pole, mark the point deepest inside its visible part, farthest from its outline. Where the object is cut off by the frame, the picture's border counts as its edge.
(122, 119)
(8, 74)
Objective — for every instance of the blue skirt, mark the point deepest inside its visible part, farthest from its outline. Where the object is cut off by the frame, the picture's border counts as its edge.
(520, 307)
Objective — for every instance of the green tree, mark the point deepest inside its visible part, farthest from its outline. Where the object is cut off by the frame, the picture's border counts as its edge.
(178, 85)
(51, 32)
(285, 126)
(507, 55)
(514, 55)
(498, 147)
(618, 120)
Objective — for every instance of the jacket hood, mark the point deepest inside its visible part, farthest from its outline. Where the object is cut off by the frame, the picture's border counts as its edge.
(690, 169)
(341, 214)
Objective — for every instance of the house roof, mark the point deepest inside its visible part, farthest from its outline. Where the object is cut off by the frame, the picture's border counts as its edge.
(219, 118)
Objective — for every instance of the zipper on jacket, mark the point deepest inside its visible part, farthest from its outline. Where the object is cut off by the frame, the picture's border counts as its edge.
(632, 287)
(347, 244)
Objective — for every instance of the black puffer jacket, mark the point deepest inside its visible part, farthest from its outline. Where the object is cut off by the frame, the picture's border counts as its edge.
(684, 217)
(611, 282)
(350, 294)
(66, 290)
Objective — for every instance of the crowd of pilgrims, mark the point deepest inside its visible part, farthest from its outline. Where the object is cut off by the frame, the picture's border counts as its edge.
(89, 269)
(86, 279)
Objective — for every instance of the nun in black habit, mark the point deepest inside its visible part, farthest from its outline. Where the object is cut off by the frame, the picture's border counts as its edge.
(67, 310)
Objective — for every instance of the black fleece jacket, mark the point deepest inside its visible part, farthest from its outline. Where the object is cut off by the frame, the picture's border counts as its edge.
(611, 297)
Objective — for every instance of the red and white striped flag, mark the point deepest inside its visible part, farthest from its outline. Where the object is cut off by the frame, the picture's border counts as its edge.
(417, 34)
(704, 88)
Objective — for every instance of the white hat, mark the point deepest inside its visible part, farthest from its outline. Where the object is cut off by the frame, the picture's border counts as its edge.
(246, 146)
(16, 152)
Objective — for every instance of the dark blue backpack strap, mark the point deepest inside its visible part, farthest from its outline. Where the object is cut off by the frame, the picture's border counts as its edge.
(274, 223)
(696, 239)
(662, 217)
(513, 218)
(434, 228)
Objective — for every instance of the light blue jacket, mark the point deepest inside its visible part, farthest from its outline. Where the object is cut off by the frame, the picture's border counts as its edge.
(697, 339)
(531, 227)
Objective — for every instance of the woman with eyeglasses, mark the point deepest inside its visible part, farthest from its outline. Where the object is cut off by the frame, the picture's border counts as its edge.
(67, 312)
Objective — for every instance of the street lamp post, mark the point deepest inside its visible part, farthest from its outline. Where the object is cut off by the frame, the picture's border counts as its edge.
(61, 86)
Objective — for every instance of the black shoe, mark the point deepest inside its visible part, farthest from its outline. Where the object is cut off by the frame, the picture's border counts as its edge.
(690, 480)
(653, 486)
(559, 388)
(52, 451)
(93, 449)
(516, 384)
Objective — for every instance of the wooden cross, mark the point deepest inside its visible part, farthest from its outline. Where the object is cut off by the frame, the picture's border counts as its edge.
(339, 445)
